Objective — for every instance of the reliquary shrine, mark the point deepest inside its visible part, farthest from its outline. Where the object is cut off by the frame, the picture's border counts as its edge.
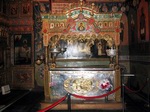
(81, 50)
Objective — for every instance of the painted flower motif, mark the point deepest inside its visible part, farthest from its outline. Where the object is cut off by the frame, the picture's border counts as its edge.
(91, 21)
(70, 20)
(44, 31)
(117, 30)
(97, 30)
(105, 85)
(65, 31)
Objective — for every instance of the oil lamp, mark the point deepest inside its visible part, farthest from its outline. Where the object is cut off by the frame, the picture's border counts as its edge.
(112, 53)
(55, 51)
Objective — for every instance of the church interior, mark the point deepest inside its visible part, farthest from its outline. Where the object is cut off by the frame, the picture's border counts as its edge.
(74, 55)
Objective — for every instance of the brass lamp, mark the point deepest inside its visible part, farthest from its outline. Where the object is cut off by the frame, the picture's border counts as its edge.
(55, 51)
(112, 53)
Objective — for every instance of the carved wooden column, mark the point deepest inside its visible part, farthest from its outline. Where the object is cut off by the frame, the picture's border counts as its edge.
(46, 68)
(117, 77)
(46, 76)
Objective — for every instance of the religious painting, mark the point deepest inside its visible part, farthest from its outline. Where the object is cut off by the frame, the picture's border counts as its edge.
(26, 9)
(143, 21)
(22, 49)
(81, 26)
(14, 9)
(23, 77)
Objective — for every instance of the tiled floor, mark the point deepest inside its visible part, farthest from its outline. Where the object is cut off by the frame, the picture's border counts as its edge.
(29, 101)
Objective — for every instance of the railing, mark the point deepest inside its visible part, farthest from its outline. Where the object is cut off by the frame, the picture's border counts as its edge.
(68, 95)
(137, 92)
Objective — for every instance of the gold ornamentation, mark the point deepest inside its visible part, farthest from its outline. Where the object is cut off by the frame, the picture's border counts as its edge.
(78, 85)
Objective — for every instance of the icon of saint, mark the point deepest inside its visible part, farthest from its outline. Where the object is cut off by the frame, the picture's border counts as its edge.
(81, 27)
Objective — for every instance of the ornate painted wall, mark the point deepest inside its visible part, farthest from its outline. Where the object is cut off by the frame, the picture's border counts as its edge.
(16, 21)
(4, 45)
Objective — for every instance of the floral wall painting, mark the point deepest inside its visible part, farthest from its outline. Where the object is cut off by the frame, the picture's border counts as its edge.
(22, 49)
(23, 77)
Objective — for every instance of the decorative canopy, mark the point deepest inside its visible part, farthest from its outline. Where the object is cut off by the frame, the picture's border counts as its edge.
(82, 22)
